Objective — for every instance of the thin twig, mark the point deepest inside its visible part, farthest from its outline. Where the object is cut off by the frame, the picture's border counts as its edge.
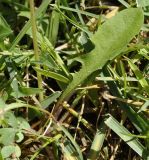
(77, 115)
(128, 101)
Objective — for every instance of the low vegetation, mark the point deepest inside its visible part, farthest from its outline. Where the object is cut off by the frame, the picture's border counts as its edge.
(74, 80)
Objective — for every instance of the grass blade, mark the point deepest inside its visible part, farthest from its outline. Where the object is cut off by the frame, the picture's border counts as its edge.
(53, 75)
(137, 121)
(139, 76)
(123, 133)
(38, 13)
(80, 156)
(97, 142)
(53, 27)
(124, 3)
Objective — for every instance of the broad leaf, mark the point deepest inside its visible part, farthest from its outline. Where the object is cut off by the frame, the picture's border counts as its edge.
(7, 151)
(109, 41)
(10, 119)
(7, 136)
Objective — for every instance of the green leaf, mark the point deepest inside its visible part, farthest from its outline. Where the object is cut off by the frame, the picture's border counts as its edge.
(11, 119)
(123, 133)
(38, 13)
(14, 106)
(124, 3)
(29, 91)
(22, 123)
(26, 91)
(24, 14)
(139, 76)
(47, 60)
(72, 152)
(144, 53)
(2, 104)
(75, 23)
(53, 75)
(7, 151)
(53, 97)
(69, 13)
(69, 151)
(142, 3)
(120, 29)
(53, 26)
(5, 30)
(7, 135)
(49, 140)
(97, 142)
(144, 106)
(19, 137)
(17, 151)
(48, 47)
(80, 11)
(137, 120)
(1, 158)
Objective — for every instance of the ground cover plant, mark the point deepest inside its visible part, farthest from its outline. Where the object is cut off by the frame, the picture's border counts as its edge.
(74, 79)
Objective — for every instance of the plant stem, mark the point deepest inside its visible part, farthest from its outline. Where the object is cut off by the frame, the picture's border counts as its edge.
(36, 49)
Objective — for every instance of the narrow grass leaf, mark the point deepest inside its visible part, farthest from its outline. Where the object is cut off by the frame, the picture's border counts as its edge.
(49, 141)
(75, 23)
(14, 106)
(138, 121)
(139, 76)
(5, 29)
(53, 75)
(124, 76)
(53, 26)
(142, 3)
(144, 53)
(47, 47)
(124, 3)
(97, 142)
(130, 79)
(69, 150)
(50, 99)
(80, 11)
(77, 148)
(38, 13)
(70, 14)
(47, 60)
(123, 133)
(144, 106)
(27, 91)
